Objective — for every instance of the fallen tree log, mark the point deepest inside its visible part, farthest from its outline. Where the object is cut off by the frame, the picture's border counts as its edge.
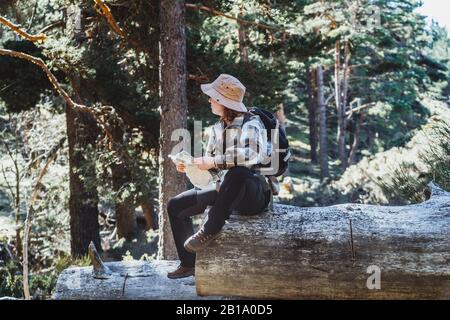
(130, 280)
(349, 251)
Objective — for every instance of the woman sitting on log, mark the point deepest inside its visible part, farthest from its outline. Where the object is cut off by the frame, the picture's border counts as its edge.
(239, 185)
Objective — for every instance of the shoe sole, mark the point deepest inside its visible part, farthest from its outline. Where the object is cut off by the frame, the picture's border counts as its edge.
(180, 277)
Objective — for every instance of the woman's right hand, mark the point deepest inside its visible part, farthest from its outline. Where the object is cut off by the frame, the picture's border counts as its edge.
(181, 167)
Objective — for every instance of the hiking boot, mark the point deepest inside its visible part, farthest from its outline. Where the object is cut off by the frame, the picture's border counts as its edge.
(199, 241)
(181, 272)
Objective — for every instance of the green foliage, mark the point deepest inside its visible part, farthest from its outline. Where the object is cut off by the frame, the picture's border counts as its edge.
(50, 231)
(142, 248)
(395, 62)
(41, 284)
(10, 281)
(408, 180)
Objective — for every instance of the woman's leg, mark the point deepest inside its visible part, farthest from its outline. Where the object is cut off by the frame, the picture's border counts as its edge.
(256, 197)
(180, 209)
(239, 185)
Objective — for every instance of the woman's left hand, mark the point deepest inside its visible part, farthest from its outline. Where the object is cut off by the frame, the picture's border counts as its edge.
(204, 163)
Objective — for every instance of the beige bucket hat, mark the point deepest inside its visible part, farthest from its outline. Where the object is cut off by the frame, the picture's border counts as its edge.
(226, 90)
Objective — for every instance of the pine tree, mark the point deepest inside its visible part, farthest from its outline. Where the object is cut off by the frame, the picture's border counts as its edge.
(82, 136)
(173, 111)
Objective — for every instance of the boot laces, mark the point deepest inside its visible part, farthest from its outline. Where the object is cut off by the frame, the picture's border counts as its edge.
(202, 237)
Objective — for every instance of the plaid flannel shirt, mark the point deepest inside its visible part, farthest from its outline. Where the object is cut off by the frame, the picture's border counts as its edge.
(238, 144)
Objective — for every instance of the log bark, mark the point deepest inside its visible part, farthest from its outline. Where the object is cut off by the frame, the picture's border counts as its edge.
(131, 280)
(326, 253)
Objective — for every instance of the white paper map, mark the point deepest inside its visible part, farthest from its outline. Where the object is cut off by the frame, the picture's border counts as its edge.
(199, 178)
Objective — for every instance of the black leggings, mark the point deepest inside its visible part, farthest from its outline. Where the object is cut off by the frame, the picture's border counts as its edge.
(241, 190)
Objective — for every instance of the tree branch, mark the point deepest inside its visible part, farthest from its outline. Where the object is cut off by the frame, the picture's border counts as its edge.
(240, 21)
(78, 107)
(106, 12)
(357, 109)
(331, 96)
(52, 156)
(40, 63)
(11, 190)
(22, 33)
(30, 23)
(198, 78)
(56, 24)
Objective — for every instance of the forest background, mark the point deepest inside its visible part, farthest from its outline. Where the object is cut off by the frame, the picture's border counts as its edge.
(361, 86)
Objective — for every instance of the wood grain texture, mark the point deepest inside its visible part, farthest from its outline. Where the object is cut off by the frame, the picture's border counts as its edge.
(145, 280)
(306, 253)
(173, 111)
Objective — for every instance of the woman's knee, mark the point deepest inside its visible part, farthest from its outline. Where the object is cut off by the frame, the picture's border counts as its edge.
(181, 202)
(173, 207)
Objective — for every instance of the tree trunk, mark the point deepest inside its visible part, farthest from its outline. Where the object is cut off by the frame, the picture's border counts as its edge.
(339, 107)
(323, 152)
(344, 251)
(356, 138)
(280, 115)
(345, 91)
(147, 209)
(83, 201)
(370, 141)
(17, 204)
(312, 115)
(345, 80)
(81, 135)
(173, 111)
(243, 42)
(124, 205)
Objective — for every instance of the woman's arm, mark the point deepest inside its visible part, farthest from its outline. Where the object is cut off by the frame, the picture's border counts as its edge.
(248, 149)
(209, 151)
(207, 162)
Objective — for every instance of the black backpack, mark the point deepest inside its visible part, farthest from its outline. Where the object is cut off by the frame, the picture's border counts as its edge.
(282, 150)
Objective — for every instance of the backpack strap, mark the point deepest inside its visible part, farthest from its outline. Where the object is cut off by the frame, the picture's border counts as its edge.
(247, 117)
(255, 168)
